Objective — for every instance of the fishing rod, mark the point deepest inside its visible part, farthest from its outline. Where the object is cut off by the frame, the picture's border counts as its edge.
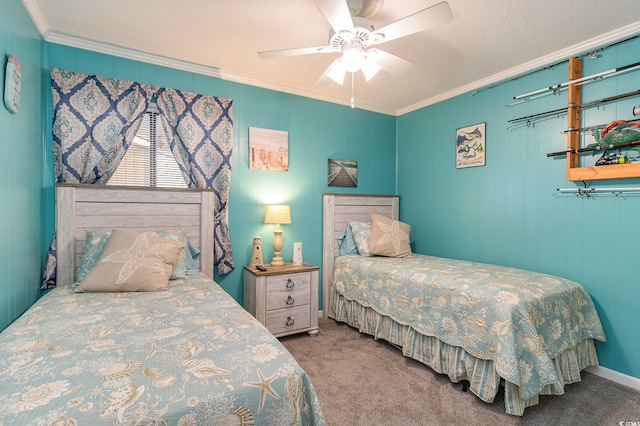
(599, 126)
(531, 98)
(601, 147)
(544, 92)
(581, 106)
(603, 74)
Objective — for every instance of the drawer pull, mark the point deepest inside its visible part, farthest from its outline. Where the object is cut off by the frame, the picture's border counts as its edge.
(290, 301)
(290, 283)
(290, 321)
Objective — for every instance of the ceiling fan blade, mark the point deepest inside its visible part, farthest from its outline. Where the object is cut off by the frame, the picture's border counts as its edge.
(336, 12)
(420, 21)
(294, 52)
(392, 64)
(335, 72)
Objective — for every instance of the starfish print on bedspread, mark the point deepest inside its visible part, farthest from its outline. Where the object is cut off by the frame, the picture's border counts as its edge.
(265, 387)
(141, 253)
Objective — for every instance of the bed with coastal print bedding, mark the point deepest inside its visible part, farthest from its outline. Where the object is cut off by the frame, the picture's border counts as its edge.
(179, 351)
(485, 324)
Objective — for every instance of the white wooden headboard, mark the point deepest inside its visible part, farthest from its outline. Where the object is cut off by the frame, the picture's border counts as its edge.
(80, 207)
(338, 210)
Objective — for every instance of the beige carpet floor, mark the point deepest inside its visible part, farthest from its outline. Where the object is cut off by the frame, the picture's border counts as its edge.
(361, 381)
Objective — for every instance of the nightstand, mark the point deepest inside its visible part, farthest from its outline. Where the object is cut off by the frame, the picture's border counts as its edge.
(283, 298)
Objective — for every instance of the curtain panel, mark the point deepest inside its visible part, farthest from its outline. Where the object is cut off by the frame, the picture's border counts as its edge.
(95, 120)
(200, 131)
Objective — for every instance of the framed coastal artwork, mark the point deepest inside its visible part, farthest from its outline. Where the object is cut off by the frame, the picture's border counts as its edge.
(470, 146)
(268, 149)
(342, 173)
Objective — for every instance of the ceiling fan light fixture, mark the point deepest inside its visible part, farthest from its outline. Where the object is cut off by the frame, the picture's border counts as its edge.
(336, 71)
(353, 58)
(369, 68)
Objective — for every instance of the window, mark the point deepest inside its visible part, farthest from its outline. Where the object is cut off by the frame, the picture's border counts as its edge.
(149, 160)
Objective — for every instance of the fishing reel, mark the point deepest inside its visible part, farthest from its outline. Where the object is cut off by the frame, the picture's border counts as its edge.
(616, 158)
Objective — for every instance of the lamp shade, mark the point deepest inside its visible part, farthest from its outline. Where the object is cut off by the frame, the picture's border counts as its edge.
(278, 214)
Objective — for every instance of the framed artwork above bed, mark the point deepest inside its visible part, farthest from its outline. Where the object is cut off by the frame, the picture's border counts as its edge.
(342, 173)
(268, 149)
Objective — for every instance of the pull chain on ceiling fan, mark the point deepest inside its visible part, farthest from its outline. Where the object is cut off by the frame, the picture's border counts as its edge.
(353, 37)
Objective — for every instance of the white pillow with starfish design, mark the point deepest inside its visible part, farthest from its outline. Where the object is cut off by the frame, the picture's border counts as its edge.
(389, 237)
(132, 261)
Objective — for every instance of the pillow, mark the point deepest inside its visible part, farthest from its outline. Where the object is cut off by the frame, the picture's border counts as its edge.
(346, 243)
(97, 238)
(133, 261)
(360, 231)
(93, 246)
(192, 253)
(180, 268)
(389, 237)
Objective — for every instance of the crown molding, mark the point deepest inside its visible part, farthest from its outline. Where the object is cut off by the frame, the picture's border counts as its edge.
(123, 52)
(580, 48)
(109, 49)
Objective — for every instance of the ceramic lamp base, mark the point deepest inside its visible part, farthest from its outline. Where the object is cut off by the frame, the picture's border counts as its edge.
(277, 248)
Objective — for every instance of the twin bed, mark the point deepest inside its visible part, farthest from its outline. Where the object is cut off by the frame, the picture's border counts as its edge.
(185, 355)
(484, 324)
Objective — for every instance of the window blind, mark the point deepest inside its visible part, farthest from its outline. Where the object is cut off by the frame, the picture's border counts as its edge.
(149, 160)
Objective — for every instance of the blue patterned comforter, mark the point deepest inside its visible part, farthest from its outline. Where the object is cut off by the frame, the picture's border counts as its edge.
(189, 355)
(520, 320)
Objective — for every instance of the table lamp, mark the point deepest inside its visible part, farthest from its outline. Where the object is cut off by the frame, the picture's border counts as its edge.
(277, 214)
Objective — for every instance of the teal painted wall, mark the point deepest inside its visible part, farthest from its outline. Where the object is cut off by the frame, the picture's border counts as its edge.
(508, 212)
(317, 131)
(21, 164)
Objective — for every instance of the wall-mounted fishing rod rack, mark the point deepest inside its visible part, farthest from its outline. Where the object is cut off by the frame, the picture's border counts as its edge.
(575, 172)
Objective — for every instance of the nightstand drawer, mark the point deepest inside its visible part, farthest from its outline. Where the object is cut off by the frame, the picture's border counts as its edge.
(287, 299)
(288, 282)
(286, 320)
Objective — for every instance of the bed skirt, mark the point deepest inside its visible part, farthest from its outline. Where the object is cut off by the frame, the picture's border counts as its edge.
(454, 361)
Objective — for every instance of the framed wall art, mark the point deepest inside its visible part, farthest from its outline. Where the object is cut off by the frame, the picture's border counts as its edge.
(470, 146)
(268, 149)
(343, 173)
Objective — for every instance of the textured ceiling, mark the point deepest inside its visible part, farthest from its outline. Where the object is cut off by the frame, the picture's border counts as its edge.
(486, 41)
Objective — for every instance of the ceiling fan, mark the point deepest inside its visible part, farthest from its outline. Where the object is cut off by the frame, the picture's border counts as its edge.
(354, 36)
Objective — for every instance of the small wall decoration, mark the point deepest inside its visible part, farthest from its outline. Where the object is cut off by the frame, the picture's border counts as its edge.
(12, 82)
(343, 173)
(470, 146)
(268, 149)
